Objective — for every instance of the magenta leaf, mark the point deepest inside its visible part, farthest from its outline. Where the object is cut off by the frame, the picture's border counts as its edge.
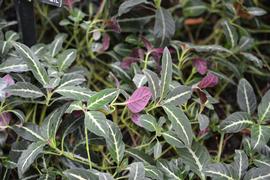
(113, 25)
(4, 120)
(8, 79)
(147, 44)
(210, 80)
(105, 42)
(200, 65)
(136, 118)
(139, 99)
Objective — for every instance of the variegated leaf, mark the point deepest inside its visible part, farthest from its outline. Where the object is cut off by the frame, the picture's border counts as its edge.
(178, 96)
(136, 171)
(230, 33)
(148, 122)
(166, 73)
(264, 107)
(13, 64)
(24, 89)
(171, 138)
(219, 171)
(74, 92)
(102, 98)
(66, 58)
(29, 131)
(56, 45)
(95, 122)
(153, 83)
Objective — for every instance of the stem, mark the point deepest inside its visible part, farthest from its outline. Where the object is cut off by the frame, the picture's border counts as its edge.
(220, 147)
(87, 148)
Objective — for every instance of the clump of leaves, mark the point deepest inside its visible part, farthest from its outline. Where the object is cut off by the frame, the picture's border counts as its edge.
(147, 91)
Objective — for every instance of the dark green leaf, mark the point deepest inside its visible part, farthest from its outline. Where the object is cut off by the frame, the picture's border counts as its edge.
(102, 98)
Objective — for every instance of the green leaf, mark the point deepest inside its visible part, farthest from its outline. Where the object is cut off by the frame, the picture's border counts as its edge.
(230, 33)
(66, 58)
(236, 122)
(153, 83)
(166, 73)
(180, 123)
(260, 135)
(28, 156)
(56, 45)
(136, 171)
(196, 157)
(13, 64)
(74, 92)
(253, 58)
(157, 150)
(24, 89)
(71, 79)
(140, 156)
(80, 174)
(240, 164)
(148, 122)
(245, 43)
(52, 122)
(194, 8)
(127, 5)
(261, 173)
(32, 62)
(152, 172)
(105, 176)
(75, 106)
(29, 131)
(164, 27)
(264, 107)
(171, 138)
(95, 122)
(219, 171)
(208, 48)
(102, 98)
(178, 96)
(139, 80)
(114, 142)
(169, 169)
(246, 97)
(256, 11)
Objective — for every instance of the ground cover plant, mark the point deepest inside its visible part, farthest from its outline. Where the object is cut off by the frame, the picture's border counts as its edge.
(137, 89)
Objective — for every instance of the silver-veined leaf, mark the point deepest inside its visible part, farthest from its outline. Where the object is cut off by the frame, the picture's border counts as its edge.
(240, 164)
(152, 172)
(126, 6)
(114, 142)
(260, 135)
(164, 27)
(166, 73)
(29, 131)
(261, 173)
(75, 106)
(178, 96)
(196, 157)
(153, 83)
(80, 174)
(169, 169)
(208, 48)
(245, 43)
(171, 138)
(24, 89)
(219, 171)
(256, 11)
(95, 122)
(194, 8)
(139, 80)
(157, 149)
(71, 79)
(102, 98)
(140, 156)
(148, 122)
(230, 33)
(74, 92)
(29, 155)
(32, 62)
(180, 123)
(56, 45)
(105, 176)
(236, 122)
(13, 64)
(66, 58)
(136, 171)
(253, 58)
(264, 107)
(246, 97)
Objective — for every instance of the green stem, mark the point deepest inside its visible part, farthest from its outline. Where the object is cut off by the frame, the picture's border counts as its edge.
(220, 147)
(87, 148)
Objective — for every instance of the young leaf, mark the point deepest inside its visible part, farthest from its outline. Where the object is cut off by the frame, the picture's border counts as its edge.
(264, 107)
(139, 80)
(166, 73)
(246, 97)
(164, 27)
(32, 62)
(95, 122)
(74, 92)
(56, 45)
(236, 122)
(139, 99)
(180, 123)
(24, 89)
(157, 150)
(126, 6)
(178, 96)
(196, 157)
(171, 138)
(219, 171)
(29, 155)
(136, 171)
(102, 98)
(240, 164)
(153, 83)
(148, 122)
(114, 142)
(66, 58)
(230, 33)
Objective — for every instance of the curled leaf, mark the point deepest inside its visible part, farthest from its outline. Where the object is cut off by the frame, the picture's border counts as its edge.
(210, 80)
(139, 99)
(200, 65)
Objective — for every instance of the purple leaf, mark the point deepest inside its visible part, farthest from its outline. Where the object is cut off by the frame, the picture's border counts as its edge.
(4, 120)
(147, 44)
(139, 99)
(200, 65)
(105, 42)
(136, 118)
(113, 25)
(210, 80)
(134, 57)
(8, 79)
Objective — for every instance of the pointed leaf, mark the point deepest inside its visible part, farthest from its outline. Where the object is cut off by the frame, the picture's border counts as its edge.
(13, 65)
(166, 73)
(140, 156)
(253, 58)
(139, 80)
(56, 45)
(168, 170)
(264, 107)
(136, 171)
(180, 123)
(246, 98)
(95, 122)
(71, 79)
(29, 131)
(24, 89)
(80, 174)
(240, 164)
(230, 33)
(219, 171)
(261, 173)
(102, 98)
(260, 135)
(236, 122)
(148, 122)
(171, 138)
(74, 92)
(126, 6)
(28, 156)
(66, 58)
(178, 96)
(153, 83)
(32, 62)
